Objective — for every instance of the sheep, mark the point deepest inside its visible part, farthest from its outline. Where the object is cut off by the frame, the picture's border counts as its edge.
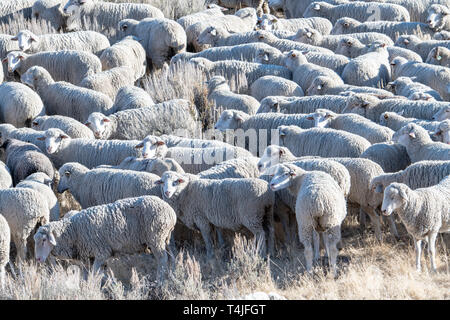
(126, 52)
(439, 56)
(161, 38)
(391, 157)
(109, 82)
(10, 8)
(176, 141)
(442, 132)
(89, 41)
(421, 47)
(232, 168)
(101, 186)
(424, 212)
(252, 71)
(360, 11)
(131, 97)
(274, 86)
(42, 183)
(419, 145)
(257, 131)
(322, 142)
(155, 165)
(90, 153)
(270, 22)
(248, 202)
(211, 11)
(68, 65)
(243, 52)
(166, 117)
(352, 123)
(70, 126)
(369, 70)
(390, 28)
(23, 209)
(5, 176)
(421, 174)
(442, 114)
(192, 160)
(261, 6)
(418, 8)
(19, 104)
(313, 37)
(8, 131)
(7, 45)
(352, 48)
(125, 226)
(442, 35)
(303, 104)
(323, 213)
(304, 73)
(220, 94)
(372, 107)
(5, 239)
(51, 12)
(406, 87)
(65, 99)
(294, 8)
(396, 121)
(438, 17)
(106, 14)
(24, 158)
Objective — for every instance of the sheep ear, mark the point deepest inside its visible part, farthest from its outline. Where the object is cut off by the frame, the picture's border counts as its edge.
(82, 1)
(292, 174)
(412, 134)
(139, 146)
(282, 132)
(180, 180)
(402, 193)
(64, 136)
(281, 152)
(386, 116)
(239, 118)
(310, 117)
(213, 32)
(87, 123)
(379, 188)
(51, 239)
(160, 143)
(21, 56)
(266, 57)
(41, 138)
(317, 7)
(35, 123)
(319, 87)
(293, 55)
(4, 60)
(106, 120)
(159, 182)
(261, 36)
(406, 41)
(33, 38)
(15, 38)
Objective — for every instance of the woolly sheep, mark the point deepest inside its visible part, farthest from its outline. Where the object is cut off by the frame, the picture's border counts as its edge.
(125, 226)
(424, 212)
(419, 145)
(322, 142)
(252, 71)
(100, 186)
(155, 165)
(70, 126)
(439, 56)
(7, 45)
(23, 209)
(90, 153)
(442, 132)
(360, 11)
(42, 183)
(287, 45)
(391, 157)
(211, 11)
(353, 123)
(19, 104)
(89, 41)
(109, 82)
(322, 214)
(167, 117)
(438, 17)
(390, 28)
(270, 22)
(68, 65)
(105, 14)
(421, 47)
(65, 99)
(131, 97)
(126, 52)
(372, 107)
(274, 86)
(406, 87)
(442, 114)
(5, 240)
(304, 73)
(248, 202)
(10, 8)
(233, 168)
(303, 104)
(294, 8)
(220, 94)
(24, 158)
(161, 38)
(442, 35)
(8, 131)
(261, 6)
(176, 141)
(396, 121)
(51, 12)
(5, 176)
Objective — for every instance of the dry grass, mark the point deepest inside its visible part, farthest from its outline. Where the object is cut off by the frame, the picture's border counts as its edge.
(368, 270)
(18, 22)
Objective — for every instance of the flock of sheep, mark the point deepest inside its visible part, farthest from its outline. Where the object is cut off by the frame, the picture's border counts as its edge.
(343, 105)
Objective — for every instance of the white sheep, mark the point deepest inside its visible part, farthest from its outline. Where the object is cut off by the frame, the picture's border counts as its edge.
(442, 114)
(391, 157)
(155, 165)
(5, 176)
(407, 87)
(131, 97)
(5, 240)
(396, 121)
(438, 17)
(274, 86)
(303, 104)
(442, 132)
(270, 22)
(72, 127)
(439, 56)
(424, 212)
(421, 47)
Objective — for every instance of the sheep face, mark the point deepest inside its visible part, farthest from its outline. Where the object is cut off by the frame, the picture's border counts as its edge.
(394, 197)
(65, 177)
(266, 22)
(217, 83)
(343, 24)
(230, 119)
(44, 241)
(269, 104)
(267, 56)
(282, 177)
(208, 36)
(25, 39)
(98, 123)
(53, 139)
(271, 157)
(309, 36)
(36, 123)
(318, 86)
(443, 132)
(151, 147)
(293, 59)
(436, 16)
(442, 114)
(32, 76)
(49, 11)
(74, 5)
(14, 60)
(171, 184)
(321, 118)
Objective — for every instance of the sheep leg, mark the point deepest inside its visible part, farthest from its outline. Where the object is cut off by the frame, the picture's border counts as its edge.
(432, 249)
(418, 247)
(332, 237)
(205, 229)
(158, 250)
(316, 243)
(375, 219)
(98, 264)
(305, 235)
(21, 246)
(362, 219)
(220, 238)
(392, 226)
(2, 277)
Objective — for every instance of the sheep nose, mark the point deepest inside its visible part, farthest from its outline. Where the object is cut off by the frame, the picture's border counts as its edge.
(166, 193)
